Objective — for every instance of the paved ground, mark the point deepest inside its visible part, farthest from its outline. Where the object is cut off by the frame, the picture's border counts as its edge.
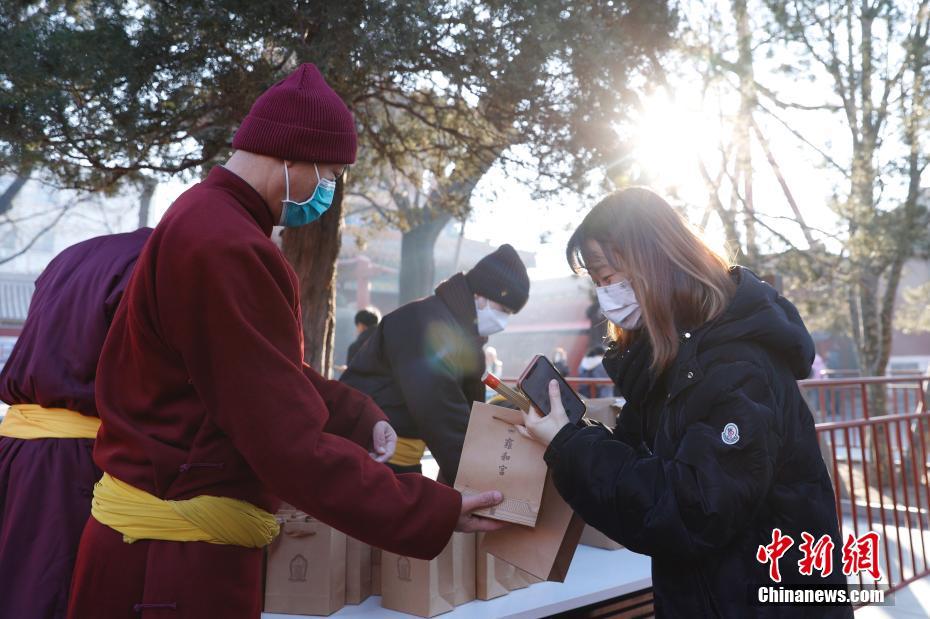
(912, 601)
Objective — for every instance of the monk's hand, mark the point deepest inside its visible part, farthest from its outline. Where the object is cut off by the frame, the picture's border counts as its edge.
(544, 428)
(469, 522)
(383, 441)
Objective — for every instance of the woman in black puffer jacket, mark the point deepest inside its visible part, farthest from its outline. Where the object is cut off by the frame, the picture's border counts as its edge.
(715, 447)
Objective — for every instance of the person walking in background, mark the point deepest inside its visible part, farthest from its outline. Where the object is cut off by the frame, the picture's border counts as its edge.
(592, 366)
(424, 362)
(818, 368)
(715, 451)
(365, 320)
(560, 361)
(47, 473)
(492, 362)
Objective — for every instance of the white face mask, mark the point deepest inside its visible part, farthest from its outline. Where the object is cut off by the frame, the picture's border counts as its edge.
(490, 320)
(619, 305)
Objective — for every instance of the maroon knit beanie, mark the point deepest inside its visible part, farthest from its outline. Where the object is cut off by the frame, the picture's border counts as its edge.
(299, 119)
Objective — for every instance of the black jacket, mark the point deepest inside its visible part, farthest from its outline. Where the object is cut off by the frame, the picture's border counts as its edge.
(423, 367)
(670, 484)
(355, 346)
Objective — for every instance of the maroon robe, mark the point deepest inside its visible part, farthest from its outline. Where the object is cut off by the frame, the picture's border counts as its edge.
(202, 390)
(46, 484)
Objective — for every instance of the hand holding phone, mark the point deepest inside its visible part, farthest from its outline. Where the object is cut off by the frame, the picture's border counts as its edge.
(543, 429)
(535, 385)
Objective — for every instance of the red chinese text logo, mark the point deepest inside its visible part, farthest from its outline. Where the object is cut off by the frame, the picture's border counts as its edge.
(773, 552)
(861, 555)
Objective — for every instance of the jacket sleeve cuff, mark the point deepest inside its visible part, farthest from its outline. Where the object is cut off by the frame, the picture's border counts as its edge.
(362, 434)
(553, 452)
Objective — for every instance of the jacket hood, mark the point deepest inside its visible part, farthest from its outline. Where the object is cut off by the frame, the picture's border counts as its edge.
(757, 313)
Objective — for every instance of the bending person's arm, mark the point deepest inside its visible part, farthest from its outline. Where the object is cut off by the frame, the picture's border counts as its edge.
(240, 343)
(352, 414)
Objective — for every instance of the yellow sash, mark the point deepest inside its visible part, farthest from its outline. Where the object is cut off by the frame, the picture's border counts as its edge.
(218, 520)
(32, 421)
(409, 452)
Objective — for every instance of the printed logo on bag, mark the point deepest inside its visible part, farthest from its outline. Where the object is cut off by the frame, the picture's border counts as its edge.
(298, 569)
(403, 569)
(730, 434)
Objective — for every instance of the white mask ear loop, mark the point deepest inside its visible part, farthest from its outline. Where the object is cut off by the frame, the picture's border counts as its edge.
(318, 179)
(287, 184)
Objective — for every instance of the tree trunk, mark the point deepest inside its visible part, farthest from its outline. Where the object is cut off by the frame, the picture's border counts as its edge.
(145, 201)
(417, 260)
(870, 362)
(312, 250)
(6, 198)
(870, 353)
(727, 217)
(913, 226)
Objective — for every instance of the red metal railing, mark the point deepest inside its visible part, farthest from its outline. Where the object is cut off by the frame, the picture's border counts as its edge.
(879, 464)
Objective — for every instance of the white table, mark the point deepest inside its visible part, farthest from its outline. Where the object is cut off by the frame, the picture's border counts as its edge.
(595, 576)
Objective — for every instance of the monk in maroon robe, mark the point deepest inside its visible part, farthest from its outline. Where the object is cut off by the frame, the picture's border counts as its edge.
(204, 396)
(46, 480)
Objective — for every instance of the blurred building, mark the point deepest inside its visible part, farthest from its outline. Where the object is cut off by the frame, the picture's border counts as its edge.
(15, 294)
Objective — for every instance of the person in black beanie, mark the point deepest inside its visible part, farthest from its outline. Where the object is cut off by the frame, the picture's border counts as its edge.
(423, 362)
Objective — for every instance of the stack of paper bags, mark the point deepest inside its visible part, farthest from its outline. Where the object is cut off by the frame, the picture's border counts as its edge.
(429, 588)
(306, 567)
(496, 577)
(359, 574)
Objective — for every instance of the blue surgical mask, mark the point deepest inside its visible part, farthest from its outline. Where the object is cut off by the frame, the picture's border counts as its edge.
(295, 214)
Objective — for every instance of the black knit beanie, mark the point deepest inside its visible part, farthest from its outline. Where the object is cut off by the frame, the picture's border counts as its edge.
(501, 276)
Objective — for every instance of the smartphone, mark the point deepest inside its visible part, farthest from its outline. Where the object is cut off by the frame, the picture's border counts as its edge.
(534, 382)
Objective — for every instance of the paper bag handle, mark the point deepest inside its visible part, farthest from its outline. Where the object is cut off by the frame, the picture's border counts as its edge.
(298, 533)
(512, 417)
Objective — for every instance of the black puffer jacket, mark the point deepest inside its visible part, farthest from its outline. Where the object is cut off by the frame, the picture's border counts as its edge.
(422, 365)
(717, 453)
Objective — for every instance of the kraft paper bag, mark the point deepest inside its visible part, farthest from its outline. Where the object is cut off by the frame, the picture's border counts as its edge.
(306, 567)
(358, 571)
(529, 578)
(464, 547)
(594, 538)
(488, 574)
(376, 571)
(497, 457)
(546, 550)
(523, 579)
(418, 587)
(604, 410)
(496, 577)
